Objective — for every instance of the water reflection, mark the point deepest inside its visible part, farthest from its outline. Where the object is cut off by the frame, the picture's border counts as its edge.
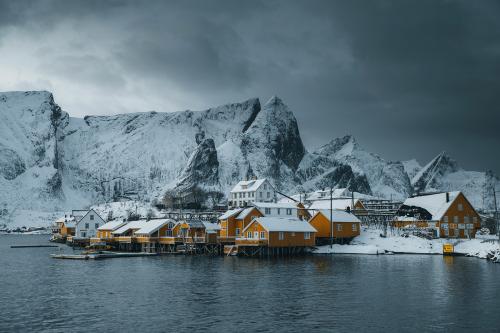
(178, 293)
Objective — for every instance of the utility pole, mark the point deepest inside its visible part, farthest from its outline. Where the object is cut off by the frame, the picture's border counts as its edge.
(496, 213)
(331, 217)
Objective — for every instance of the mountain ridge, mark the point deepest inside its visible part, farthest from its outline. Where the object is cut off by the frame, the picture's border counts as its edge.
(61, 162)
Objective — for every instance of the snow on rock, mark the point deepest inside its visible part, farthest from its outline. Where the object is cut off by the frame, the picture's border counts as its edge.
(412, 167)
(121, 210)
(52, 162)
(444, 174)
(367, 173)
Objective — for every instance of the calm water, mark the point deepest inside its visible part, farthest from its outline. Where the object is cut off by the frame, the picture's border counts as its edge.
(178, 293)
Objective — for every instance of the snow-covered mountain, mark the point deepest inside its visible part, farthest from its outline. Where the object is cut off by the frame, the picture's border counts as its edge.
(51, 161)
(444, 174)
(412, 167)
(343, 161)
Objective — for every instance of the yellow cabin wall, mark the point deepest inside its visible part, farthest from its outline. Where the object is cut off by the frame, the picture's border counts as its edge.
(323, 226)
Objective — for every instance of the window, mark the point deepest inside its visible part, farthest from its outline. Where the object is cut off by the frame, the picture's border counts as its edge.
(281, 235)
(455, 219)
(339, 227)
(293, 234)
(260, 194)
(460, 207)
(268, 194)
(241, 195)
(265, 186)
(249, 234)
(279, 210)
(446, 232)
(445, 219)
(169, 233)
(354, 227)
(244, 195)
(288, 211)
(466, 219)
(96, 225)
(262, 235)
(307, 235)
(253, 194)
(86, 225)
(238, 231)
(91, 217)
(267, 210)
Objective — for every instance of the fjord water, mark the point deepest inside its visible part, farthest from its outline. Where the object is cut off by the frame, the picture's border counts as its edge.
(198, 293)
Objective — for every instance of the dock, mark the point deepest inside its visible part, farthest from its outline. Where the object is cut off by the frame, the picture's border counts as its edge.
(100, 256)
(28, 246)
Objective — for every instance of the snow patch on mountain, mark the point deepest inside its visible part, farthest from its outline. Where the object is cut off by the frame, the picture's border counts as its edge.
(412, 167)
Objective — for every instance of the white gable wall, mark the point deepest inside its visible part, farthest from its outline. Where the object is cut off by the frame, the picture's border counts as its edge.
(87, 226)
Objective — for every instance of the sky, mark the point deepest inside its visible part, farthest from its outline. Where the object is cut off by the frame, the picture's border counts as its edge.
(408, 79)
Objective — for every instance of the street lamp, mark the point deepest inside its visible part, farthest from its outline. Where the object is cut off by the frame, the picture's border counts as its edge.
(331, 217)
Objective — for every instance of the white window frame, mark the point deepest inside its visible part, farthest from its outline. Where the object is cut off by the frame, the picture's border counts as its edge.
(281, 235)
(262, 235)
(307, 235)
(354, 227)
(460, 207)
(238, 230)
(249, 234)
(339, 226)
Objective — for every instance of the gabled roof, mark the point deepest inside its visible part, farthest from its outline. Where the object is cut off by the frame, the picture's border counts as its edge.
(336, 204)
(112, 225)
(282, 224)
(152, 226)
(435, 204)
(339, 216)
(230, 213)
(88, 211)
(251, 185)
(244, 213)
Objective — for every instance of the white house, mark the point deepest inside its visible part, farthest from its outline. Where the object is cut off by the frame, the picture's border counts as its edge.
(248, 191)
(86, 226)
(281, 209)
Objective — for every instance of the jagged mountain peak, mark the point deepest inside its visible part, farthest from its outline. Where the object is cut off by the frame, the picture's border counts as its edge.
(344, 145)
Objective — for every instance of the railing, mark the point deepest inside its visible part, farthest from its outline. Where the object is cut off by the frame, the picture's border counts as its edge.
(146, 239)
(124, 239)
(170, 240)
(195, 240)
(251, 241)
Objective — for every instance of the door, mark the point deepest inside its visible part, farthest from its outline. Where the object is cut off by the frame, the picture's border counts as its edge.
(256, 234)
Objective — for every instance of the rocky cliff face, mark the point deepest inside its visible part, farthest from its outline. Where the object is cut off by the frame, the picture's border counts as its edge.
(51, 161)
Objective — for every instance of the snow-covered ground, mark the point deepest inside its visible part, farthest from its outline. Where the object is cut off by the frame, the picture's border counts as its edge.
(370, 242)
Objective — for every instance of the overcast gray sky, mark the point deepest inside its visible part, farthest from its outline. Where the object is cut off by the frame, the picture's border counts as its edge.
(406, 78)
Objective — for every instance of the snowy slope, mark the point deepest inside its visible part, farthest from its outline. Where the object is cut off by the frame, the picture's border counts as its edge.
(383, 179)
(52, 162)
(412, 167)
(443, 173)
(29, 175)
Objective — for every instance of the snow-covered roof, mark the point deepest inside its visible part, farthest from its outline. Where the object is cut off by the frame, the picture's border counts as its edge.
(339, 216)
(244, 213)
(151, 226)
(274, 205)
(435, 204)
(336, 204)
(248, 185)
(283, 224)
(211, 227)
(112, 225)
(129, 226)
(230, 213)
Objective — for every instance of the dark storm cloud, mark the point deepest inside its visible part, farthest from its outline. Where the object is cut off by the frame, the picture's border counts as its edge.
(408, 78)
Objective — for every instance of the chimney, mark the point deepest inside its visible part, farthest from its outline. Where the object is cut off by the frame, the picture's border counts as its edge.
(447, 196)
